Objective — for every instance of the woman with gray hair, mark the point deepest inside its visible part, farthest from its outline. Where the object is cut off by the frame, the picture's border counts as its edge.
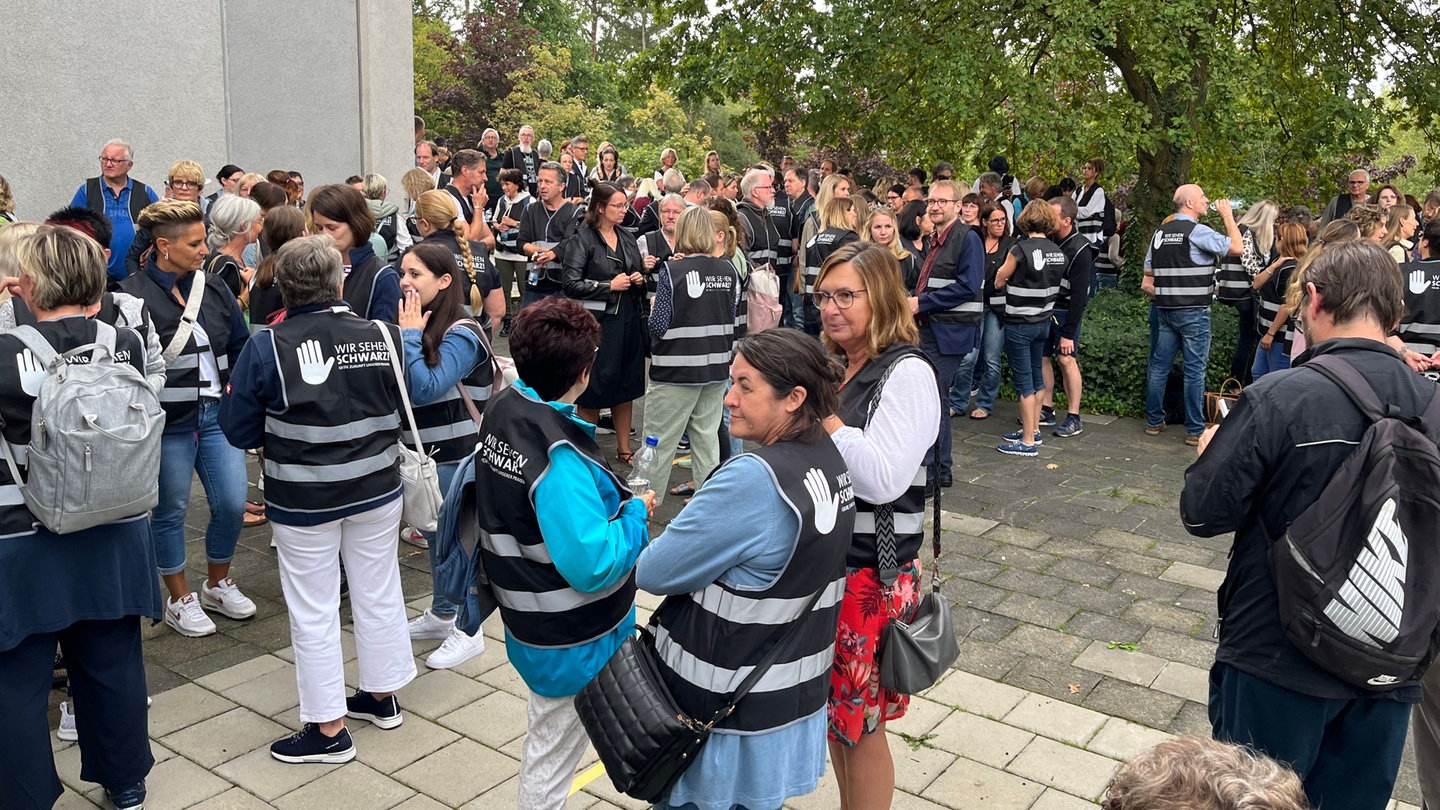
(317, 391)
(235, 224)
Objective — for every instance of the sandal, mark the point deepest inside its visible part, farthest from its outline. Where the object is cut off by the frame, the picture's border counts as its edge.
(687, 489)
(979, 414)
(255, 507)
(252, 519)
(625, 457)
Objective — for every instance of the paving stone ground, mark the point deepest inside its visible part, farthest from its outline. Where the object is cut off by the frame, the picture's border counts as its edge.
(1085, 609)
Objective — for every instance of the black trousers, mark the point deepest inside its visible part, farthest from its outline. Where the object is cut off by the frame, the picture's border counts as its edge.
(107, 681)
(1347, 752)
(1247, 341)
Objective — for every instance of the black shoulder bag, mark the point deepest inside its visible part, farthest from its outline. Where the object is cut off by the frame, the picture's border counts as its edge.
(643, 737)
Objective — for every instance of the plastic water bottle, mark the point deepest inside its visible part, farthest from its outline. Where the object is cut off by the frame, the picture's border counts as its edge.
(642, 467)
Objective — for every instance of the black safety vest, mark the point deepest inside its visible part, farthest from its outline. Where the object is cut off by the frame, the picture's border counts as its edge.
(697, 347)
(1035, 285)
(1232, 280)
(1420, 327)
(447, 430)
(780, 220)
(709, 640)
(1272, 297)
(331, 441)
(1179, 281)
(995, 299)
(180, 398)
(764, 239)
(359, 288)
(139, 197)
(539, 606)
(858, 400)
(817, 250)
(943, 273)
(1079, 265)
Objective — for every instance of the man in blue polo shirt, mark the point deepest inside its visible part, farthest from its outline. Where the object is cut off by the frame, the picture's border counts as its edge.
(119, 198)
(1180, 280)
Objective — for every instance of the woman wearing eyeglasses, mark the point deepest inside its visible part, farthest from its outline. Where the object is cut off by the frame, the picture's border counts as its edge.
(603, 271)
(838, 219)
(995, 233)
(184, 182)
(888, 393)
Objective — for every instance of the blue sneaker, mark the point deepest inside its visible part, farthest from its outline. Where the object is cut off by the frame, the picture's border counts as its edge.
(1070, 427)
(131, 798)
(1019, 449)
(1014, 437)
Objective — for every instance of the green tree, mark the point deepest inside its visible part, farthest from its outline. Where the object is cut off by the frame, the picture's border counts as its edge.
(1175, 91)
(434, 42)
(541, 99)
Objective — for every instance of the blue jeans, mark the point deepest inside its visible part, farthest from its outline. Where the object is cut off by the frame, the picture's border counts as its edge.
(947, 368)
(1024, 348)
(202, 449)
(992, 346)
(789, 301)
(1276, 359)
(440, 606)
(1184, 330)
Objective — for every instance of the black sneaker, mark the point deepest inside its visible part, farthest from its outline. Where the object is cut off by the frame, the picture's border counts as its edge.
(505, 326)
(383, 713)
(1047, 416)
(309, 744)
(684, 444)
(131, 798)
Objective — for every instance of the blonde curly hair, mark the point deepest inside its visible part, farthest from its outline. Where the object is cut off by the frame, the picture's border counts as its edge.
(1190, 773)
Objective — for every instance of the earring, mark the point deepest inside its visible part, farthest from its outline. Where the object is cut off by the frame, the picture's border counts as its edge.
(166, 254)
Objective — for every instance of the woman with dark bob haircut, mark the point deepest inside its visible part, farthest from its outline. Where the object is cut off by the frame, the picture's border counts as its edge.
(737, 580)
(372, 288)
(604, 272)
(561, 534)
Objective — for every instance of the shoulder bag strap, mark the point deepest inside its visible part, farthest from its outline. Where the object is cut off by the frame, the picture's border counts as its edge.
(187, 318)
(469, 402)
(771, 656)
(400, 378)
(885, 546)
(1353, 383)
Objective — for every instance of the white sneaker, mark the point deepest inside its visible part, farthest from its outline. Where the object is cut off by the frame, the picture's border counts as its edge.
(456, 650)
(67, 730)
(226, 598)
(412, 535)
(427, 626)
(187, 617)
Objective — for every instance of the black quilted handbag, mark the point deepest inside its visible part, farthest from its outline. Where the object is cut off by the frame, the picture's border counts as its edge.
(643, 737)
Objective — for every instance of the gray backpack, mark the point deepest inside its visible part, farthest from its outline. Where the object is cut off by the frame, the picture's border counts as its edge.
(94, 454)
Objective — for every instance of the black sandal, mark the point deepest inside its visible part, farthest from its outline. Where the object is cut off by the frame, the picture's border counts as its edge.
(625, 458)
(687, 489)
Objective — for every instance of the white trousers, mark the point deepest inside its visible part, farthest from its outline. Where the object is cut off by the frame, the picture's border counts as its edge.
(310, 578)
(554, 742)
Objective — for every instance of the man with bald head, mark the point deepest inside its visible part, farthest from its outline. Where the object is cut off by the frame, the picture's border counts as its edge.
(1180, 280)
(1357, 190)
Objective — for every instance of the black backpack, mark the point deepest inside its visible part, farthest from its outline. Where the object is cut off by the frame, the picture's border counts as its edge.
(1356, 571)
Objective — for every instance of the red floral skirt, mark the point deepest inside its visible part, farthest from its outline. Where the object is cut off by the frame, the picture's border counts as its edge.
(857, 702)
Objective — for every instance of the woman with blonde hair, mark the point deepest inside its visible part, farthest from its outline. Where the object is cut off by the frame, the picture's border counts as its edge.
(668, 159)
(437, 218)
(1272, 315)
(1233, 281)
(184, 182)
(7, 203)
(1371, 220)
(887, 392)
(415, 182)
(1400, 226)
(247, 182)
(836, 185)
(880, 229)
(838, 219)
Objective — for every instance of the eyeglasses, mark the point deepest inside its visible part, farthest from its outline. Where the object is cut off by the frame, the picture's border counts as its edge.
(843, 299)
(184, 184)
(996, 220)
(114, 161)
(940, 202)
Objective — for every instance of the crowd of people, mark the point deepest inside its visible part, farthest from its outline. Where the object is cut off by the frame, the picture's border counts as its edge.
(314, 330)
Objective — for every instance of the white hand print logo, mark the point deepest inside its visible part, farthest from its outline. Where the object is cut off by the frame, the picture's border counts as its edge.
(827, 506)
(693, 285)
(1037, 258)
(1418, 281)
(1159, 238)
(32, 373)
(314, 366)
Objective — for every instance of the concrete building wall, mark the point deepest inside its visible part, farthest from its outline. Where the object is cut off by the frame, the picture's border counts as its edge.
(323, 87)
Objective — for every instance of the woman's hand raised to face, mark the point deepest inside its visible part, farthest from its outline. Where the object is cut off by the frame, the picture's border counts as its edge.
(412, 314)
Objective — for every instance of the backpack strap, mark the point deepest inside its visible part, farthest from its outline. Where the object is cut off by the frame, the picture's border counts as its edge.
(1355, 386)
(37, 344)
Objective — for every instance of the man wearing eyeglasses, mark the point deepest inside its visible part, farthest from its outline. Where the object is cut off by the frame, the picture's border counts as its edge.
(120, 198)
(947, 305)
(1357, 190)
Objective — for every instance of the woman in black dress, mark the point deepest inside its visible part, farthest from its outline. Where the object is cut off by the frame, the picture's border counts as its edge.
(603, 271)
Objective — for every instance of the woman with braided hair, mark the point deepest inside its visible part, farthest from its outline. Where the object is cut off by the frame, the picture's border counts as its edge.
(438, 219)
